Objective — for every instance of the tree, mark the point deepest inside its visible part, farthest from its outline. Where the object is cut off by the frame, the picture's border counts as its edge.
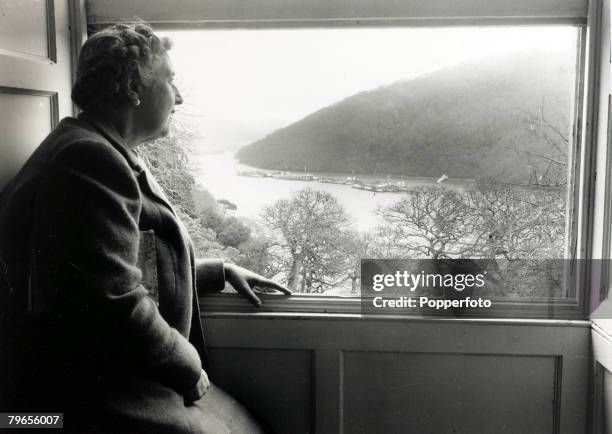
(254, 255)
(544, 148)
(362, 245)
(213, 233)
(522, 228)
(517, 222)
(230, 206)
(429, 222)
(309, 233)
(493, 220)
(233, 232)
(168, 160)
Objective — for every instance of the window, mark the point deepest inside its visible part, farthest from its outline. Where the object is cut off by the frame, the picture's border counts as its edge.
(314, 148)
(584, 198)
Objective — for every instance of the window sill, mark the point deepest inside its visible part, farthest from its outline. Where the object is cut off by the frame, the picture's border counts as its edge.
(304, 305)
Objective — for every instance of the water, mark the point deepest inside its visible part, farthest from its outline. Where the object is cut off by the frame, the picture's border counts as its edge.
(218, 173)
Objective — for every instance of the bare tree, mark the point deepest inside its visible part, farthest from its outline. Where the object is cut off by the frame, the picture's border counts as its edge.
(517, 223)
(544, 148)
(310, 233)
(521, 227)
(362, 245)
(430, 222)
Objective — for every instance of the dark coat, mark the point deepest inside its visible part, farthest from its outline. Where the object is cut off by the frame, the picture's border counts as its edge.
(98, 288)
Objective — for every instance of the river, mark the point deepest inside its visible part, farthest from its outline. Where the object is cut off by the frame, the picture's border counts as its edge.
(218, 173)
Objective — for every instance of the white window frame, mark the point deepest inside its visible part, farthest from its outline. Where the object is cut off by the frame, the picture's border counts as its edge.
(590, 210)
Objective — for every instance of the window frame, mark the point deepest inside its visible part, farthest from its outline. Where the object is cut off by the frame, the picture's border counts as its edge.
(589, 150)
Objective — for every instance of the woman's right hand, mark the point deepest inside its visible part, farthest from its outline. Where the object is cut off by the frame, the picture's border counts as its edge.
(199, 390)
(243, 281)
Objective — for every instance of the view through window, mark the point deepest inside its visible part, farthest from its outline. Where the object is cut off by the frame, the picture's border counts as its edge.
(299, 152)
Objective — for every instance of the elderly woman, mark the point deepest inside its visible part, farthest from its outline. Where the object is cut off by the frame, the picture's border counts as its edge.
(98, 280)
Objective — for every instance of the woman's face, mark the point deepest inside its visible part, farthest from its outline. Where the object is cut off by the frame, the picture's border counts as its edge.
(157, 101)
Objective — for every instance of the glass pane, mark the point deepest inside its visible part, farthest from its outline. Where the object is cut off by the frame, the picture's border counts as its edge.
(310, 149)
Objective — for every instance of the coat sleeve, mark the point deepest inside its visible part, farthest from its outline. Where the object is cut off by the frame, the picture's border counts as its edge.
(92, 206)
(210, 275)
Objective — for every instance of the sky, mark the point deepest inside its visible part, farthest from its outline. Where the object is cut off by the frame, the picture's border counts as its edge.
(263, 79)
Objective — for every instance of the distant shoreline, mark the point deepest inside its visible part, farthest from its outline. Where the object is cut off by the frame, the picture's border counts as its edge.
(370, 182)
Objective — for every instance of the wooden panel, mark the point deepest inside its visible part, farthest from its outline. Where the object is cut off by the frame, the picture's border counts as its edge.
(18, 139)
(601, 418)
(536, 357)
(446, 393)
(348, 332)
(35, 60)
(275, 384)
(28, 71)
(109, 11)
(328, 406)
(607, 402)
(601, 422)
(27, 28)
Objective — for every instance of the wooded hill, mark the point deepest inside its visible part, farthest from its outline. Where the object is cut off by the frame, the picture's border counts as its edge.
(506, 116)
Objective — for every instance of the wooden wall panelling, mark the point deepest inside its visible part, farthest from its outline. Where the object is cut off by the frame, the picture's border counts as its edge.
(519, 375)
(277, 384)
(35, 60)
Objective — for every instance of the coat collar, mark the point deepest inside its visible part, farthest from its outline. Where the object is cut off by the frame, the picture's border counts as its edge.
(111, 134)
(144, 176)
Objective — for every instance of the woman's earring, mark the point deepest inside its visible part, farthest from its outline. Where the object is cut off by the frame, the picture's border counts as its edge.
(137, 102)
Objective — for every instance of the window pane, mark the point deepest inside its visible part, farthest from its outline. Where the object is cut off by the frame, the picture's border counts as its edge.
(310, 149)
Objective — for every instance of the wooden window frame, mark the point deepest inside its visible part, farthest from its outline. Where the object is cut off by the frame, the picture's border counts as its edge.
(589, 208)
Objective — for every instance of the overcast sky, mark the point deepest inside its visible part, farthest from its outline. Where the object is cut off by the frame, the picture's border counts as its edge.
(283, 75)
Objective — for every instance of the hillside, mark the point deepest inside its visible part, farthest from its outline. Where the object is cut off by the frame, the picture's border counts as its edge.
(476, 119)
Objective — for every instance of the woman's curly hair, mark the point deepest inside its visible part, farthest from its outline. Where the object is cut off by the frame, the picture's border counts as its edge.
(114, 64)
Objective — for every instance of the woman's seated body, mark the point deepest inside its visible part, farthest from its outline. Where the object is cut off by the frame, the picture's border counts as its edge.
(81, 226)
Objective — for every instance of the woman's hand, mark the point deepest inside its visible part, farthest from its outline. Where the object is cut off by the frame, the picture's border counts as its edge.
(243, 281)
